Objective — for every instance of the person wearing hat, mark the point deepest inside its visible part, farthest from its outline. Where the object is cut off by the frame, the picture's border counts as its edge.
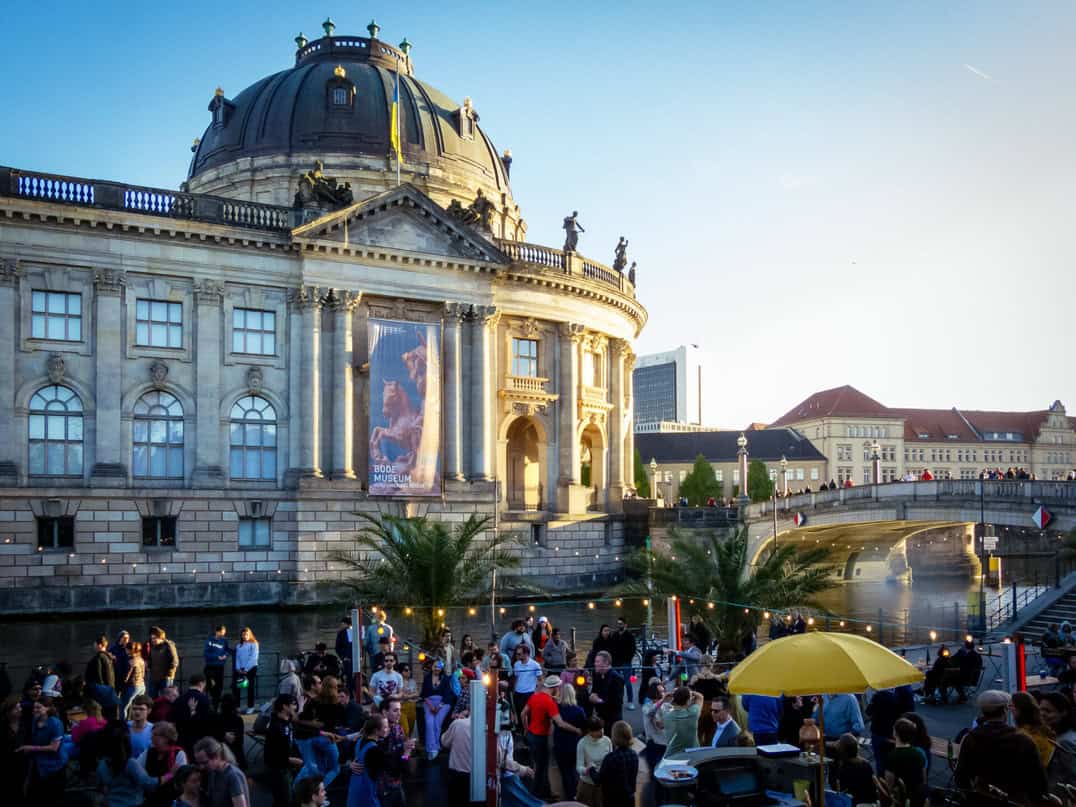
(539, 716)
(996, 755)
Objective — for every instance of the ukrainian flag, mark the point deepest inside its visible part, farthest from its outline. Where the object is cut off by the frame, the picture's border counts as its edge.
(394, 130)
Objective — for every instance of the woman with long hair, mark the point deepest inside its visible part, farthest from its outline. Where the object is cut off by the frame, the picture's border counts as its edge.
(246, 667)
(565, 742)
(1028, 719)
(122, 778)
(619, 770)
(134, 682)
(438, 699)
(655, 705)
(1057, 713)
(368, 764)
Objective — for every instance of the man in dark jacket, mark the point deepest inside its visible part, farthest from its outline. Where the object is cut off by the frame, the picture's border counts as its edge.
(970, 664)
(994, 754)
(215, 654)
(606, 691)
(344, 648)
(281, 754)
(623, 653)
(192, 714)
(101, 678)
(603, 641)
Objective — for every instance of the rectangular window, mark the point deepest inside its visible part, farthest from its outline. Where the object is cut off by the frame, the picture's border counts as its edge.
(56, 533)
(719, 474)
(56, 315)
(843, 475)
(799, 474)
(683, 476)
(844, 452)
(159, 531)
(592, 368)
(340, 96)
(773, 475)
(525, 357)
(867, 476)
(254, 531)
(814, 474)
(158, 323)
(253, 331)
(736, 476)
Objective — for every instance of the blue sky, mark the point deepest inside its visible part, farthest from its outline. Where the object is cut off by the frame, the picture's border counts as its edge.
(816, 193)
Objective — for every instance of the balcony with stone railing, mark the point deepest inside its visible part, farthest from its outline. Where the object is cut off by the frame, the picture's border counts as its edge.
(547, 259)
(120, 196)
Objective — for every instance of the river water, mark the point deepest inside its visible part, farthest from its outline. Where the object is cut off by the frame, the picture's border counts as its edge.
(897, 612)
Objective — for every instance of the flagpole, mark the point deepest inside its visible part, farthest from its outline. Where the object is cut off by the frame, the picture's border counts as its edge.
(399, 134)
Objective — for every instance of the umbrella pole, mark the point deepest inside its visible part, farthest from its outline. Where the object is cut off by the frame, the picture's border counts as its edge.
(821, 751)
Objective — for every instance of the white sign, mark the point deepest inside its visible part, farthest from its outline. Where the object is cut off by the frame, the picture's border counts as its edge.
(990, 543)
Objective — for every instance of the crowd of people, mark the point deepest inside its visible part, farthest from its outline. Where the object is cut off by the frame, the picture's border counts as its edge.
(124, 728)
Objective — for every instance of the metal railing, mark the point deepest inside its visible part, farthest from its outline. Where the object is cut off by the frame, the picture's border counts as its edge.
(161, 202)
(694, 517)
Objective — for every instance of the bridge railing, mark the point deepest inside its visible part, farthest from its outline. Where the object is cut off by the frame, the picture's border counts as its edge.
(1026, 491)
(694, 517)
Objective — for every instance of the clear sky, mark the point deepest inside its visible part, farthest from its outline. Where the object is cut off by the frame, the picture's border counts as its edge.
(878, 194)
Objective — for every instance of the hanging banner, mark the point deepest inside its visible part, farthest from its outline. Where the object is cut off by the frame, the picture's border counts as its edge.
(405, 408)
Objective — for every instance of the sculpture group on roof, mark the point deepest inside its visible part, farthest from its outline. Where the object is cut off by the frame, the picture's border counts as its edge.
(478, 213)
(318, 190)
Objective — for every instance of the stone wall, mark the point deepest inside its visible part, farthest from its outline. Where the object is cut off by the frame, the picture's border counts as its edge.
(109, 568)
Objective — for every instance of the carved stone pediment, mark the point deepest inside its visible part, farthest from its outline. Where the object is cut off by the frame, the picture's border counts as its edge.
(403, 219)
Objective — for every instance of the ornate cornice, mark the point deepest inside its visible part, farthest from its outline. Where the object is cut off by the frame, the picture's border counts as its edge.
(208, 292)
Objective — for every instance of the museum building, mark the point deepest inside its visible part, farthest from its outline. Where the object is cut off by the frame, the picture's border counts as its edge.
(202, 388)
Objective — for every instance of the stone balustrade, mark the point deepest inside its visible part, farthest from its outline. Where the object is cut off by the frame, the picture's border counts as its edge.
(569, 263)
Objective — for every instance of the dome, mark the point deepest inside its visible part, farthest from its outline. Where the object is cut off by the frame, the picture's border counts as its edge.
(335, 105)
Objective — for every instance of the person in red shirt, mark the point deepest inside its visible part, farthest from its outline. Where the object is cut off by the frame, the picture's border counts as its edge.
(539, 715)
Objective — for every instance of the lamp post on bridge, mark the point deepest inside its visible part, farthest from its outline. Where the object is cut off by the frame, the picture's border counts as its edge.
(741, 452)
(876, 463)
(653, 478)
(784, 476)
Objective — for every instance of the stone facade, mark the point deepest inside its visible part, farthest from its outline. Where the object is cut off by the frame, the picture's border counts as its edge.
(126, 336)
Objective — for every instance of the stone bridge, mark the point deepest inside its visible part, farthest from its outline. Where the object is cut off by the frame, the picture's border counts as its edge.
(928, 527)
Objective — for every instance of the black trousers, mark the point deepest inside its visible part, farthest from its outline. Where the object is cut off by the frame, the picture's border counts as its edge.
(279, 781)
(214, 683)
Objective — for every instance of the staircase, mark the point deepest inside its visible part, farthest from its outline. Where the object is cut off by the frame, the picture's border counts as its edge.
(1062, 610)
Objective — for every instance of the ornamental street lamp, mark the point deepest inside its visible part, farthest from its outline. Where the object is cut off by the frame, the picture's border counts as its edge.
(653, 478)
(741, 443)
(784, 474)
(876, 463)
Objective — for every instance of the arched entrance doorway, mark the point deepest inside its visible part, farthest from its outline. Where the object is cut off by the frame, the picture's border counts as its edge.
(592, 464)
(524, 488)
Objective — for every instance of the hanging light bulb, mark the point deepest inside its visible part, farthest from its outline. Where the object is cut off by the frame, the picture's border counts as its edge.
(617, 603)
(471, 611)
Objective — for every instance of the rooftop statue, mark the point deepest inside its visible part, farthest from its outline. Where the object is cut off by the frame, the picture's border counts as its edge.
(620, 254)
(478, 213)
(572, 228)
(318, 190)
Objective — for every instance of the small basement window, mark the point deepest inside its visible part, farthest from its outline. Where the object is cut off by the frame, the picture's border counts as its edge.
(159, 531)
(56, 533)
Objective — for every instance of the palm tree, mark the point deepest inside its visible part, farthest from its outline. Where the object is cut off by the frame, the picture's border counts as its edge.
(718, 570)
(426, 565)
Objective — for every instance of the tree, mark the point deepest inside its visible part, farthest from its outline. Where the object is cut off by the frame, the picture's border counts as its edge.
(718, 570)
(700, 483)
(424, 565)
(642, 478)
(759, 484)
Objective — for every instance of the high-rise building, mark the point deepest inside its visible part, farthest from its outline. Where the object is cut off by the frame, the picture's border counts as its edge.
(668, 386)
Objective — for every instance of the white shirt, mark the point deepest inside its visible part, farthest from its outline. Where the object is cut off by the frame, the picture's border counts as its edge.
(457, 739)
(527, 675)
(383, 684)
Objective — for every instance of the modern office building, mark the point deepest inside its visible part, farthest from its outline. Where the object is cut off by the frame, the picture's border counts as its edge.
(668, 386)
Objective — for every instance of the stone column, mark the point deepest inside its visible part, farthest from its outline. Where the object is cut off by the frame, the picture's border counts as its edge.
(629, 417)
(309, 300)
(454, 313)
(9, 292)
(343, 304)
(483, 320)
(570, 493)
(208, 472)
(617, 348)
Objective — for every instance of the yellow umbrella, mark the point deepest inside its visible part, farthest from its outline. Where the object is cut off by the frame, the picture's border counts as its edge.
(820, 663)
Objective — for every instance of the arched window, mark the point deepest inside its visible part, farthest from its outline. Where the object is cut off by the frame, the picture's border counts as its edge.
(55, 432)
(158, 437)
(253, 439)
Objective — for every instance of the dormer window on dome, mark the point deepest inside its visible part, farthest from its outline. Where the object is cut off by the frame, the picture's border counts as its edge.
(466, 118)
(340, 92)
(221, 108)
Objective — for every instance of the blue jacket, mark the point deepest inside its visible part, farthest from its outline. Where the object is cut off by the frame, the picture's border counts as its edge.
(841, 715)
(763, 713)
(128, 788)
(216, 651)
